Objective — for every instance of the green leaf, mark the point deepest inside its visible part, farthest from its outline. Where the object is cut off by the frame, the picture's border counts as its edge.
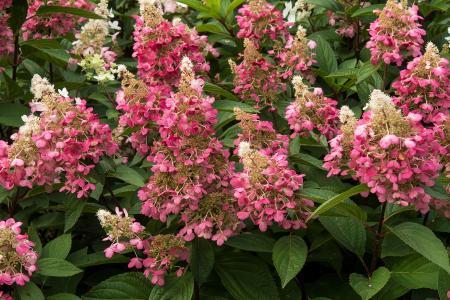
(346, 73)
(246, 277)
(332, 202)
(255, 242)
(325, 56)
(235, 4)
(125, 286)
(197, 5)
(175, 288)
(289, 256)
(33, 236)
(443, 285)
(202, 259)
(307, 159)
(58, 248)
(96, 259)
(347, 231)
(128, 175)
(329, 4)
(11, 114)
(63, 296)
(415, 272)
(391, 291)
(53, 9)
(57, 267)
(18, 14)
(42, 43)
(30, 291)
(59, 57)
(73, 209)
(368, 287)
(217, 90)
(366, 11)
(365, 72)
(422, 240)
(229, 105)
(214, 27)
(393, 246)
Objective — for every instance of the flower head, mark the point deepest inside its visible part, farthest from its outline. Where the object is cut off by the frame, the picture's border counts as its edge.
(17, 258)
(396, 29)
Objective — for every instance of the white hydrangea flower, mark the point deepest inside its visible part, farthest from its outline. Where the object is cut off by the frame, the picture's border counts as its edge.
(378, 100)
(40, 86)
(290, 11)
(345, 114)
(121, 68)
(114, 25)
(103, 215)
(64, 92)
(244, 148)
(297, 79)
(30, 126)
(186, 64)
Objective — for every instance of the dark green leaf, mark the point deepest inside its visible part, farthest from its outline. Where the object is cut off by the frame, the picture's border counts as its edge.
(125, 286)
(347, 231)
(74, 208)
(53, 9)
(329, 4)
(325, 56)
(29, 291)
(128, 175)
(415, 272)
(368, 287)
(365, 11)
(443, 285)
(217, 90)
(202, 259)
(63, 296)
(252, 242)
(175, 288)
(332, 202)
(229, 105)
(289, 256)
(58, 248)
(11, 114)
(246, 277)
(18, 14)
(307, 159)
(56, 267)
(422, 240)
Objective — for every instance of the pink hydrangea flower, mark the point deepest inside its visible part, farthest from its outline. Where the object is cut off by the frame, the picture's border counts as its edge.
(188, 162)
(6, 34)
(256, 77)
(265, 191)
(312, 110)
(65, 139)
(160, 45)
(297, 55)
(17, 255)
(260, 134)
(54, 25)
(396, 157)
(423, 88)
(397, 28)
(259, 20)
(160, 252)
